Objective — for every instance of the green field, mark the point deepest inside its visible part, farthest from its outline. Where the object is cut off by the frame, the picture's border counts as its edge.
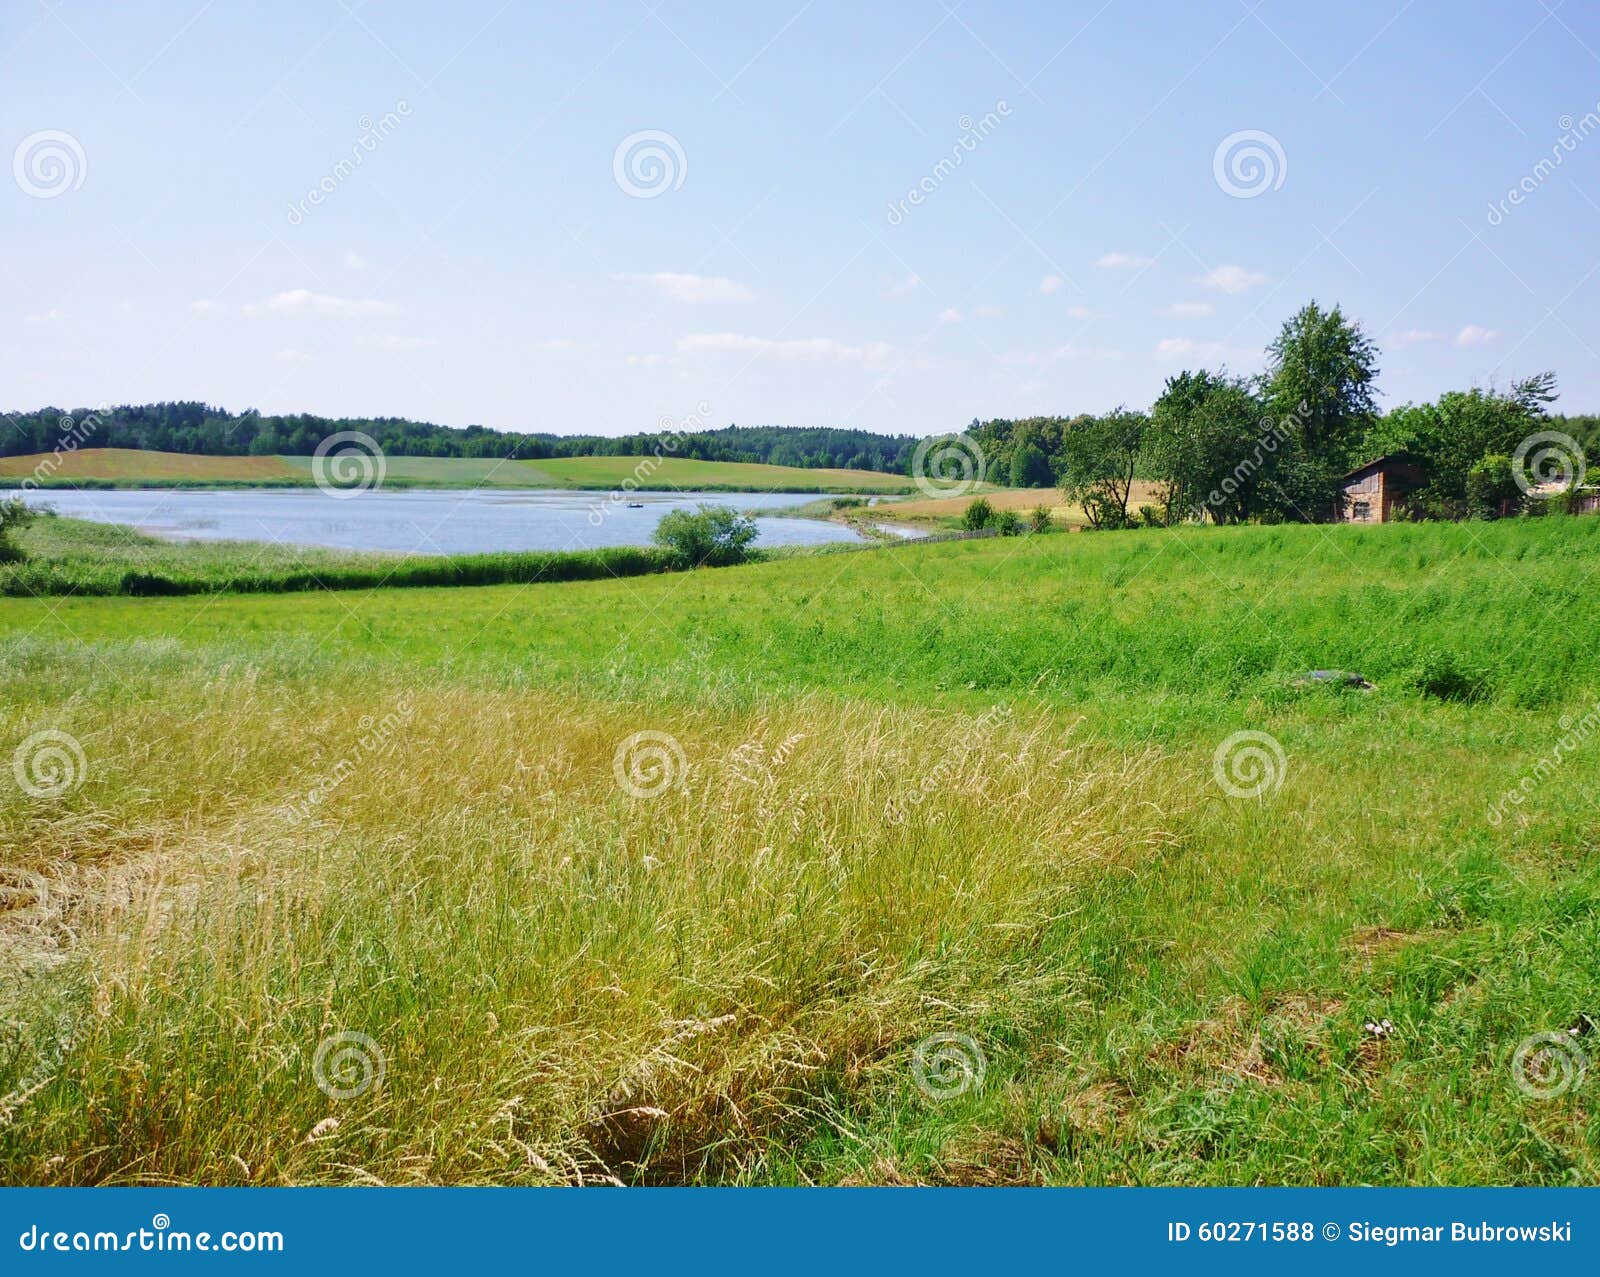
(64, 556)
(682, 472)
(129, 468)
(968, 789)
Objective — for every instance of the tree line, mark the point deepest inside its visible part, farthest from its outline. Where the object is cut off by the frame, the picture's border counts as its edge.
(198, 428)
(1218, 446)
(1275, 447)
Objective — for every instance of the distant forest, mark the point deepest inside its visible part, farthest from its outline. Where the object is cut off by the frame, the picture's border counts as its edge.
(199, 428)
(1022, 452)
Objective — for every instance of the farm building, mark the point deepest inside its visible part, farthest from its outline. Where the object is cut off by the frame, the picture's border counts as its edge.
(1585, 499)
(1378, 492)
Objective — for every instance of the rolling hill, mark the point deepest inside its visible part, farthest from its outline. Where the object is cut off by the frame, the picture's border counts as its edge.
(129, 467)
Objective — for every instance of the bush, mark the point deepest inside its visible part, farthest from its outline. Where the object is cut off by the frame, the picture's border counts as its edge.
(979, 515)
(1492, 488)
(1105, 512)
(713, 536)
(13, 515)
(1008, 523)
(1039, 519)
(1564, 502)
(1442, 676)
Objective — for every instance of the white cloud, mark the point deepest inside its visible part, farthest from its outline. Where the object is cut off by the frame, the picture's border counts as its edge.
(1123, 261)
(204, 307)
(558, 346)
(1078, 312)
(394, 341)
(696, 290)
(291, 356)
(987, 312)
(51, 316)
(1232, 279)
(355, 261)
(949, 315)
(810, 349)
(302, 301)
(1415, 336)
(1473, 335)
(1050, 284)
(909, 284)
(1188, 310)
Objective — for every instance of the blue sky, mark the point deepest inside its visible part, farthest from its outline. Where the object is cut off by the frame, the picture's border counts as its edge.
(494, 257)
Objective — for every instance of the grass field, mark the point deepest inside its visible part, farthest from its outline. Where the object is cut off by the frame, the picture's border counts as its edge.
(926, 870)
(132, 468)
(947, 511)
(66, 556)
(682, 472)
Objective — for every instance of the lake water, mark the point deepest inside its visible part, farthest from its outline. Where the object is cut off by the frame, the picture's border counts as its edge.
(467, 521)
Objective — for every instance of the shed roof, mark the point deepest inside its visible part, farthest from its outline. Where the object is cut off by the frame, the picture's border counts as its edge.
(1388, 459)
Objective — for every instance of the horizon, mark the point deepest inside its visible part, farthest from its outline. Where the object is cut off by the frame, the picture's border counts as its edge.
(606, 221)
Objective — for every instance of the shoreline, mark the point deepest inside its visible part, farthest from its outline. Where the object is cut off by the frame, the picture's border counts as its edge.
(237, 485)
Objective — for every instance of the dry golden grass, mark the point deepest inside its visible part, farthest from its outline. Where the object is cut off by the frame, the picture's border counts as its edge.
(1022, 500)
(566, 982)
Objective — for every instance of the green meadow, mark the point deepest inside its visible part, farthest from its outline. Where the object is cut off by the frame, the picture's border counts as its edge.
(64, 556)
(941, 863)
(124, 467)
(608, 473)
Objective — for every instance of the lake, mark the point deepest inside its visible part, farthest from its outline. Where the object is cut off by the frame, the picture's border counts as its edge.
(467, 521)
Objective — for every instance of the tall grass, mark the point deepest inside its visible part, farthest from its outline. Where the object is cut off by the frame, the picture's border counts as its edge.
(1213, 620)
(284, 835)
(77, 557)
